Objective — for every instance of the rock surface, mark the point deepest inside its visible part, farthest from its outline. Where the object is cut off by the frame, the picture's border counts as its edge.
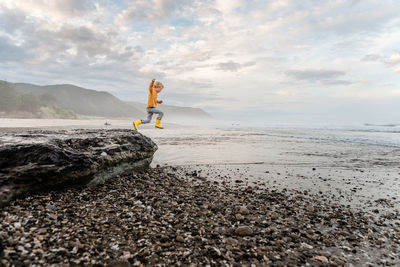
(41, 160)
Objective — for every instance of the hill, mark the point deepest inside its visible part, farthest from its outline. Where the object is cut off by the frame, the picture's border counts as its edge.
(82, 101)
(15, 104)
(90, 102)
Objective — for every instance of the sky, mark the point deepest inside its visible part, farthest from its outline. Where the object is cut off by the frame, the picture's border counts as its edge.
(254, 61)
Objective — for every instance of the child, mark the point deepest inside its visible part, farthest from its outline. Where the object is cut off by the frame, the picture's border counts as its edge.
(154, 89)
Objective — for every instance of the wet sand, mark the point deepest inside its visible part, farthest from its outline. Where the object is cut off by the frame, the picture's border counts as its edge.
(358, 175)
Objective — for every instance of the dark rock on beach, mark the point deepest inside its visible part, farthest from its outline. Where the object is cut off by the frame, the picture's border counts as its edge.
(35, 161)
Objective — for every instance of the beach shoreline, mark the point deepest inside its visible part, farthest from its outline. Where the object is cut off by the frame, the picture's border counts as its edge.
(359, 175)
(360, 180)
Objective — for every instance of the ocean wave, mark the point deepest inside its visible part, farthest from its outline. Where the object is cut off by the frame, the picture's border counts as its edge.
(368, 135)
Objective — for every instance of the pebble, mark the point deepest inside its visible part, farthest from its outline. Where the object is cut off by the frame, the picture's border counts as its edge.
(320, 258)
(244, 211)
(180, 238)
(159, 218)
(305, 245)
(50, 207)
(244, 231)
(239, 217)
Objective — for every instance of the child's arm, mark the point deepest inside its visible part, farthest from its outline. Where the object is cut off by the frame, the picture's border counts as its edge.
(151, 84)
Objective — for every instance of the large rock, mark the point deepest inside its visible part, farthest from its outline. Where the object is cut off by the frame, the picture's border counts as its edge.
(44, 160)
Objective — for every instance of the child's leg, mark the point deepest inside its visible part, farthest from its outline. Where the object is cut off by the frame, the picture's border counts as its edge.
(149, 115)
(159, 117)
(159, 112)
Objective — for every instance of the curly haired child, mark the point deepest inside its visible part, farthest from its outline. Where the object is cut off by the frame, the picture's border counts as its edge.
(154, 89)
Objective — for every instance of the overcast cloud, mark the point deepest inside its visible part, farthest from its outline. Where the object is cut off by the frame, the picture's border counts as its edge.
(264, 59)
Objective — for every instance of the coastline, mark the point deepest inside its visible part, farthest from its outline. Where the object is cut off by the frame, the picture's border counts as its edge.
(357, 182)
(363, 176)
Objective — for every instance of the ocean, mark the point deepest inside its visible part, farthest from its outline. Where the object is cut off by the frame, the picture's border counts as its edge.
(368, 134)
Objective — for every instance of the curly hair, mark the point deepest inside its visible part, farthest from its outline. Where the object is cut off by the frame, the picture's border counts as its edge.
(158, 84)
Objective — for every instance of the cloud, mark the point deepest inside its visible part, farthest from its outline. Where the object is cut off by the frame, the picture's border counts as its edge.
(233, 66)
(344, 17)
(153, 10)
(53, 10)
(371, 57)
(336, 82)
(9, 51)
(199, 48)
(11, 19)
(325, 77)
(314, 75)
(394, 59)
(43, 42)
(72, 7)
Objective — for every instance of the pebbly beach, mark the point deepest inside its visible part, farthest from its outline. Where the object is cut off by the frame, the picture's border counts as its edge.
(220, 198)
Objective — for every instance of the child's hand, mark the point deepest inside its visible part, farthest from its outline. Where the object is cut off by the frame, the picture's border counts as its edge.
(153, 80)
(160, 102)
